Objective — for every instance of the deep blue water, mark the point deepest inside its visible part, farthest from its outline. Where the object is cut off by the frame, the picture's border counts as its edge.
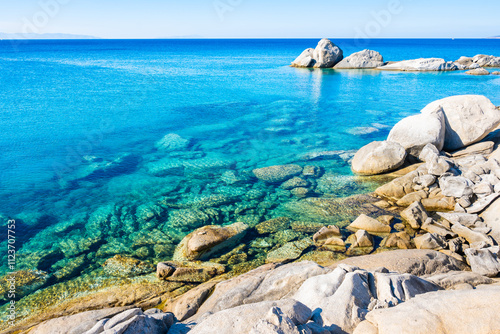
(79, 119)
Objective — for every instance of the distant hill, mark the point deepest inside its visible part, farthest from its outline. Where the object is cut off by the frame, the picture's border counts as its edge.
(44, 36)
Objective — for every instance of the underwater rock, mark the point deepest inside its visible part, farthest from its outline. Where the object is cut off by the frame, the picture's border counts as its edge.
(69, 267)
(188, 272)
(278, 173)
(172, 142)
(362, 59)
(301, 192)
(124, 266)
(208, 240)
(307, 227)
(378, 157)
(289, 251)
(187, 219)
(294, 182)
(312, 171)
(166, 166)
(21, 283)
(273, 225)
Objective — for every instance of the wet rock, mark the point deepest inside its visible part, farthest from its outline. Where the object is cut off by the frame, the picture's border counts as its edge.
(461, 311)
(307, 227)
(311, 171)
(421, 65)
(124, 266)
(414, 132)
(166, 167)
(327, 232)
(469, 119)
(289, 251)
(412, 261)
(192, 218)
(208, 240)
(478, 71)
(484, 261)
(172, 142)
(21, 283)
(276, 174)
(273, 225)
(415, 215)
(378, 157)
(363, 222)
(362, 59)
(188, 272)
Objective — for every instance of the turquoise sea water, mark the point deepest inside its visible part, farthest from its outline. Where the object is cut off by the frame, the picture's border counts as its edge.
(79, 120)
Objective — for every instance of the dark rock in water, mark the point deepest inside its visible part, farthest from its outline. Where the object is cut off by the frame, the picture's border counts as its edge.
(208, 240)
(22, 283)
(273, 225)
(124, 266)
(70, 267)
(188, 272)
(278, 173)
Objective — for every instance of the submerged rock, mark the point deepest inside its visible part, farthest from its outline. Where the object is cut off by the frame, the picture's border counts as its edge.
(188, 272)
(172, 142)
(279, 173)
(208, 240)
(378, 157)
(289, 251)
(362, 59)
(469, 118)
(21, 283)
(124, 266)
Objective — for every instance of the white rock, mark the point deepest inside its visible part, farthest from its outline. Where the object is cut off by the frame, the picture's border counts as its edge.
(421, 64)
(484, 261)
(362, 59)
(469, 118)
(482, 203)
(305, 59)
(378, 157)
(428, 152)
(327, 54)
(455, 186)
(478, 71)
(486, 61)
(414, 132)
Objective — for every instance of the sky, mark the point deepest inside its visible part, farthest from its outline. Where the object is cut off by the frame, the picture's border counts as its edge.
(253, 18)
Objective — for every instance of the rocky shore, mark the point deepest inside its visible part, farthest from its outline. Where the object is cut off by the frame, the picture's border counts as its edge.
(419, 255)
(328, 55)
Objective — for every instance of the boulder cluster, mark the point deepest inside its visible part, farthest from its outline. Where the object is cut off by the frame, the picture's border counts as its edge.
(328, 55)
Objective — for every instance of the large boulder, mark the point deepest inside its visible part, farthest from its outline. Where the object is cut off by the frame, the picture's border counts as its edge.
(486, 61)
(421, 64)
(455, 311)
(412, 261)
(208, 240)
(378, 157)
(362, 59)
(326, 54)
(414, 132)
(469, 118)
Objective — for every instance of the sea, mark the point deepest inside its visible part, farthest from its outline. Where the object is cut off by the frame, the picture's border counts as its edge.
(124, 146)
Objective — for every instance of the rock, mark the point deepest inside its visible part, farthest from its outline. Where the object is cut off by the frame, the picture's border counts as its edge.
(496, 73)
(363, 222)
(484, 147)
(470, 235)
(465, 219)
(277, 322)
(416, 196)
(482, 189)
(362, 243)
(413, 261)
(399, 187)
(362, 59)
(421, 64)
(289, 251)
(378, 157)
(482, 203)
(428, 152)
(486, 61)
(327, 232)
(455, 186)
(437, 166)
(415, 215)
(276, 174)
(294, 182)
(188, 272)
(439, 204)
(484, 261)
(414, 132)
(399, 240)
(208, 240)
(463, 311)
(430, 241)
(273, 225)
(266, 283)
(77, 323)
(469, 118)
(124, 266)
(172, 142)
(454, 278)
(311, 171)
(478, 71)
(466, 62)
(188, 303)
(242, 318)
(305, 59)
(327, 54)
(122, 317)
(24, 282)
(491, 218)
(307, 227)
(433, 227)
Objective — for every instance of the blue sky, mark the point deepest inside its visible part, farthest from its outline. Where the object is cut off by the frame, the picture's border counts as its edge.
(253, 18)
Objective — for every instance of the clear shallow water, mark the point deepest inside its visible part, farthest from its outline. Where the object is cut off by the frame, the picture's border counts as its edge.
(79, 121)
